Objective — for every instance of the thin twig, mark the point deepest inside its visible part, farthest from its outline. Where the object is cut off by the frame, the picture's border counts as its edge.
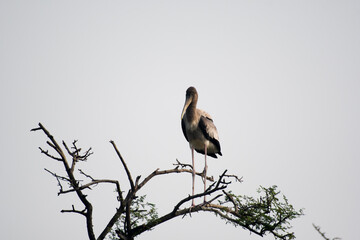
(236, 178)
(73, 210)
(124, 165)
(182, 165)
(317, 228)
(49, 155)
(86, 175)
(58, 176)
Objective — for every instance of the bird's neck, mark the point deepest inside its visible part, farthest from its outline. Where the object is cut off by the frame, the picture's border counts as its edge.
(191, 113)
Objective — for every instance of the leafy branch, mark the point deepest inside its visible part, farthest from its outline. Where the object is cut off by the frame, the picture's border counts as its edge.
(268, 213)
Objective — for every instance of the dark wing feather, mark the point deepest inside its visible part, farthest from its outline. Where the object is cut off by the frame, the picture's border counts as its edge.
(209, 154)
(183, 129)
(210, 132)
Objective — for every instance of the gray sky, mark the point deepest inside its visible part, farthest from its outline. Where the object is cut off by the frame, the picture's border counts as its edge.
(280, 78)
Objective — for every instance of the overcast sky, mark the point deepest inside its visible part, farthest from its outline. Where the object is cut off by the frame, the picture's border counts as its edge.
(280, 78)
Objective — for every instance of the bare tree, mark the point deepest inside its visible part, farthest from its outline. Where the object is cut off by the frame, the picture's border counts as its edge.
(267, 214)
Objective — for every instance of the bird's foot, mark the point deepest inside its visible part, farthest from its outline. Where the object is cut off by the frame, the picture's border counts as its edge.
(190, 209)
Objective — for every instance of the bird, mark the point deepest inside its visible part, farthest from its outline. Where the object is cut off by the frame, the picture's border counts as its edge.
(200, 131)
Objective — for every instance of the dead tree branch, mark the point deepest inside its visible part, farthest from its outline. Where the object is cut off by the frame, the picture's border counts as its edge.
(73, 182)
(73, 210)
(124, 165)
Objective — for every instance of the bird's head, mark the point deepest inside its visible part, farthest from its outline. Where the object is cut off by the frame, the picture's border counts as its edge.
(191, 96)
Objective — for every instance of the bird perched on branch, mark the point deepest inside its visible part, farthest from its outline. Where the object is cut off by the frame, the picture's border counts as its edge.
(200, 131)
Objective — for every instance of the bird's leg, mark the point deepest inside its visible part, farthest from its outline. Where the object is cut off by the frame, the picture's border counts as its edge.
(205, 171)
(193, 176)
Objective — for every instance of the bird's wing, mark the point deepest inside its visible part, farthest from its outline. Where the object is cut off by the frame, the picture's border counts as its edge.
(205, 114)
(209, 130)
(183, 129)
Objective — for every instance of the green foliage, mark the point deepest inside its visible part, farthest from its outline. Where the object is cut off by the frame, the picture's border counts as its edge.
(268, 213)
(141, 212)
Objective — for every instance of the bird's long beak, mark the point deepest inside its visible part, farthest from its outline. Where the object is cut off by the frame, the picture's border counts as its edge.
(186, 105)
